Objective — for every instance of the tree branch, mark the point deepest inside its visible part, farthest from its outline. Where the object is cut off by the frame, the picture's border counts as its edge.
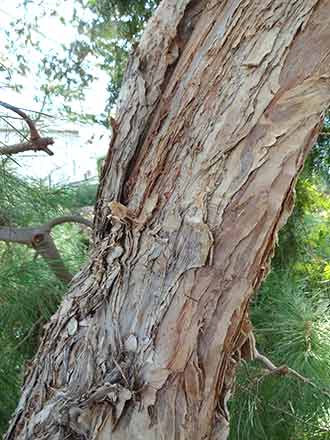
(40, 144)
(46, 247)
(35, 143)
(17, 235)
(68, 219)
(40, 239)
(282, 370)
(29, 333)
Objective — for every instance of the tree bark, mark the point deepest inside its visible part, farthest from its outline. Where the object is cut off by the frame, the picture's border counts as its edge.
(220, 104)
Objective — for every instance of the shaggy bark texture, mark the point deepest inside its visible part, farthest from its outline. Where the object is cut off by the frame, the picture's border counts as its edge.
(219, 106)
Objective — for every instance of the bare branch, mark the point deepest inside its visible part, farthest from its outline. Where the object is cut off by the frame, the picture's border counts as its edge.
(68, 219)
(40, 239)
(35, 143)
(33, 131)
(29, 333)
(282, 370)
(46, 247)
(17, 235)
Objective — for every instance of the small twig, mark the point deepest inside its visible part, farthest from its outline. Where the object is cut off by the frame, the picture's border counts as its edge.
(35, 143)
(29, 333)
(40, 112)
(282, 370)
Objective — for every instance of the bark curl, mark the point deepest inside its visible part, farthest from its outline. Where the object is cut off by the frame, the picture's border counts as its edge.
(217, 114)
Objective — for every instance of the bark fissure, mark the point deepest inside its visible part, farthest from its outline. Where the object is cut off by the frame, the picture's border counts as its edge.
(145, 89)
(213, 126)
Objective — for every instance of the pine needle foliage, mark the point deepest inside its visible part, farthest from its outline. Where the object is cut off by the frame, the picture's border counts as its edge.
(29, 292)
(292, 328)
(291, 318)
(24, 203)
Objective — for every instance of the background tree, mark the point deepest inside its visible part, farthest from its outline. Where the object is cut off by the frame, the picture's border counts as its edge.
(100, 36)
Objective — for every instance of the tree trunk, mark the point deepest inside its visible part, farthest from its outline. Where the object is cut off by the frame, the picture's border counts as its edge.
(219, 106)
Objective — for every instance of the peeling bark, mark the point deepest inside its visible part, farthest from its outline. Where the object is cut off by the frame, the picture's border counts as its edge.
(221, 102)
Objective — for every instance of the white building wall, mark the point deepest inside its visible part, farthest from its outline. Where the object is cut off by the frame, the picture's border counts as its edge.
(76, 150)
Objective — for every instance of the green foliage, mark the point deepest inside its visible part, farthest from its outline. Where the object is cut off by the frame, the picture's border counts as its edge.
(293, 329)
(318, 163)
(82, 195)
(104, 32)
(10, 380)
(29, 294)
(117, 26)
(29, 291)
(291, 318)
(27, 203)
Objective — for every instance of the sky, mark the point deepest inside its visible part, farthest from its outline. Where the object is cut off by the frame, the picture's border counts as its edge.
(52, 34)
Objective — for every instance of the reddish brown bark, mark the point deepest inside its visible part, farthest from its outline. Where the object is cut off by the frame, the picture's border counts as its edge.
(220, 104)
